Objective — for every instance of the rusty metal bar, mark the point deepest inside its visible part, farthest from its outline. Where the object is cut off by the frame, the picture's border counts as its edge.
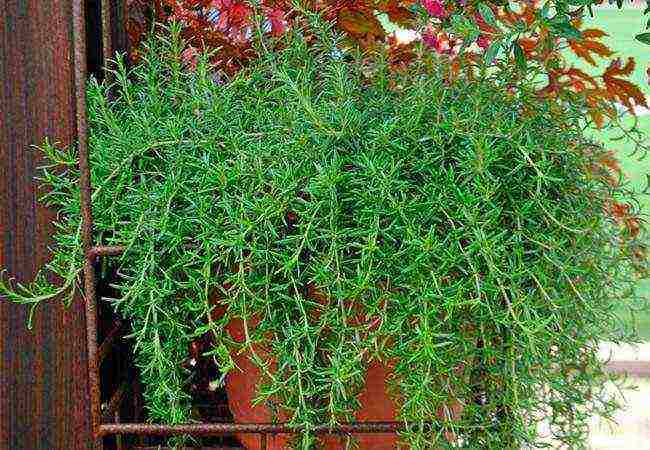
(119, 441)
(124, 25)
(218, 429)
(109, 341)
(80, 69)
(137, 407)
(263, 441)
(107, 33)
(115, 401)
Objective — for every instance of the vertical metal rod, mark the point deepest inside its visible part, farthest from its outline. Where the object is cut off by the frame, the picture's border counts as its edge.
(123, 18)
(115, 402)
(80, 69)
(119, 443)
(107, 32)
(137, 407)
(263, 441)
(109, 341)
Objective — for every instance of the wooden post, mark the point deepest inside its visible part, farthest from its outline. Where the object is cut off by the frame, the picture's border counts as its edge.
(43, 372)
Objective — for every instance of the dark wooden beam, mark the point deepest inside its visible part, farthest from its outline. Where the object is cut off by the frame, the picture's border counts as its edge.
(43, 372)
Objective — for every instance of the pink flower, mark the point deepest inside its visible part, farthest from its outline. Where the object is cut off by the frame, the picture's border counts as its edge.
(277, 20)
(483, 41)
(435, 8)
(431, 40)
(440, 42)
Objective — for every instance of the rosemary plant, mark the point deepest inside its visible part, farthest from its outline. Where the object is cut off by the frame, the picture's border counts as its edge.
(454, 230)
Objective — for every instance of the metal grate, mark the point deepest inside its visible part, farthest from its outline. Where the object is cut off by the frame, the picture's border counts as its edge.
(107, 422)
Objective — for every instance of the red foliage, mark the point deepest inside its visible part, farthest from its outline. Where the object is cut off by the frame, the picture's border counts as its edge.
(228, 26)
(589, 44)
(621, 90)
(622, 214)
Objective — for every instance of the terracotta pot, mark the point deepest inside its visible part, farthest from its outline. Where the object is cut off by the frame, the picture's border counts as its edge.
(375, 403)
(375, 406)
(241, 387)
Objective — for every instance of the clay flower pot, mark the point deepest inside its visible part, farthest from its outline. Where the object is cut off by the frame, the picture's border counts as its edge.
(376, 405)
(243, 381)
(242, 384)
(241, 387)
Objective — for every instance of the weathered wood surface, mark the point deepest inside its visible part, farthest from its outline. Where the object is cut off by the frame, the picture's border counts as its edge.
(43, 402)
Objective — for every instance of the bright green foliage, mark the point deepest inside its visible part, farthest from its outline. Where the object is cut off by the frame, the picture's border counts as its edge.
(456, 230)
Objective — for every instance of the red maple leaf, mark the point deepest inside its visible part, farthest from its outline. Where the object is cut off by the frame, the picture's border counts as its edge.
(620, 89)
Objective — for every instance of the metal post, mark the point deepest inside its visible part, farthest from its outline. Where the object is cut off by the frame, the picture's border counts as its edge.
(79, 33)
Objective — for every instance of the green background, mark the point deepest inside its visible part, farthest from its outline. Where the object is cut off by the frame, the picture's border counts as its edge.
(622, 26)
